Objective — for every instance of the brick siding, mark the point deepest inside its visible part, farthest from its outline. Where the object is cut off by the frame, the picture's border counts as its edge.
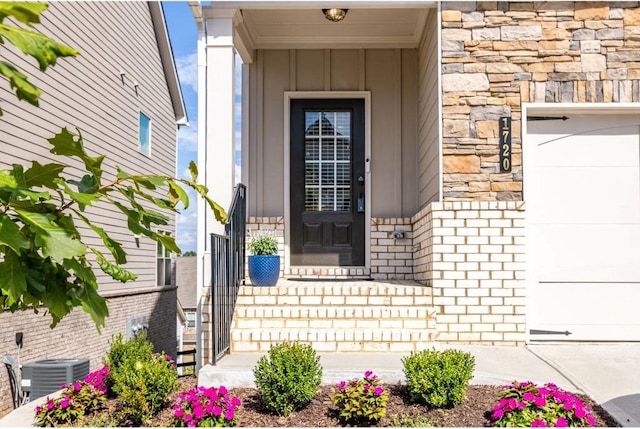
(76, 335)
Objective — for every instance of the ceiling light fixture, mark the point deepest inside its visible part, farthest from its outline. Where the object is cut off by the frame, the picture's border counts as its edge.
(335, 14)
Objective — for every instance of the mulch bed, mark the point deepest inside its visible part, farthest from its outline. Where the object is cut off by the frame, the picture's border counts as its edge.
(473, 412)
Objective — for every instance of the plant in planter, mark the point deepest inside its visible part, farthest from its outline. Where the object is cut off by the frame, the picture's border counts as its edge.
(264, 261)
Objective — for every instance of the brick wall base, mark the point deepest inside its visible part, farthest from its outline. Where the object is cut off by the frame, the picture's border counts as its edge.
(76, 335)
(470, 252)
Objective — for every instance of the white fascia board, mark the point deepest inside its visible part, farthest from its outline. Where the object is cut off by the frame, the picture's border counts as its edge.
(168, 64)
(313, 4)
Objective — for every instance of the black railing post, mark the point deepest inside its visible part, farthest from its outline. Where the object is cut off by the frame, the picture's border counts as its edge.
(227, 272)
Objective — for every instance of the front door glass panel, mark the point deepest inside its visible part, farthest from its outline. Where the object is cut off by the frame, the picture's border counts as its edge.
(327, 161)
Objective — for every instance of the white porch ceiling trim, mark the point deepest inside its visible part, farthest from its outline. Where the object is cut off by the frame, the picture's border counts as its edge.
(288, 24)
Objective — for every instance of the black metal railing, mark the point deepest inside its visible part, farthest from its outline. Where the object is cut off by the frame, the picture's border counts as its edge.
(227, 272)
(186, 362)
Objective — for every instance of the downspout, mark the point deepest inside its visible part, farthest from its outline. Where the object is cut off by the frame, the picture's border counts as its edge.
(196, 10)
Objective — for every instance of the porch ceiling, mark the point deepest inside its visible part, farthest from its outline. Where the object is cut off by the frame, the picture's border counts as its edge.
(305, 27)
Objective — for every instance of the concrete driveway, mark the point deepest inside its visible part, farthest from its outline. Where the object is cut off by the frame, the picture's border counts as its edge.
(609, 373)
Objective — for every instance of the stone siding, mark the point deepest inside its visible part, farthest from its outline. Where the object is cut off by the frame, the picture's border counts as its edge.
(498, 55)
(76, 336)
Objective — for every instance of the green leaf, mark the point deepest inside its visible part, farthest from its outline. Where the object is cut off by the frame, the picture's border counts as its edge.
(43, 49)
(56, 242)
(56, 301)
(176, 193)
(25, 12)
(122, 175)
(11, 236)
(33, 196)
(8, 179)
(65, 144)
(113, 270)
(193, 170)
(168, 242)
(219, 213)
(149, 182)
(81, 270)
(94, 305)
(114, 247)
(25, 90)
(43, 175)
(83, 199)
(88, 184)
(13, 282)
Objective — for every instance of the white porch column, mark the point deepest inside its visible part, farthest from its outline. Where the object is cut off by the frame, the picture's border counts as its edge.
(216, 157)
(219, 141)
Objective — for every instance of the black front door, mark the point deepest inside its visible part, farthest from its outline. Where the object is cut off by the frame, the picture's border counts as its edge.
(327, 182)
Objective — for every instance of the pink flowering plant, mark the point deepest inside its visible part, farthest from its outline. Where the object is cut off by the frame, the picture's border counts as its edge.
(361, 401)
(206, 407)
(528, 405)
(76, 401)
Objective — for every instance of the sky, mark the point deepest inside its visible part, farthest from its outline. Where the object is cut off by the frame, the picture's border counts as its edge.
(183, 35)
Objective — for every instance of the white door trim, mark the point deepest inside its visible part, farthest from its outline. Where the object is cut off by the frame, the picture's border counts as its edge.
(288, 96)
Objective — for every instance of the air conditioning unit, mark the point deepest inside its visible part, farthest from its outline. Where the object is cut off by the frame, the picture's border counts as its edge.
(44, 377)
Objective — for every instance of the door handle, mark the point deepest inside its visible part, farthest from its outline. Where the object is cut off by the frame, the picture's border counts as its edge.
(360, 203)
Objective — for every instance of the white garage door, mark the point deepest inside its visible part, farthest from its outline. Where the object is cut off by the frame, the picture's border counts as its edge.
(582, 193)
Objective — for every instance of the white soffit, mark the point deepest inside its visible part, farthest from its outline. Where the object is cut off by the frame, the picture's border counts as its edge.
(306, 27)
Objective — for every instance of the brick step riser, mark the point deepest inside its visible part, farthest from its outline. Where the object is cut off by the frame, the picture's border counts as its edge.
(306, 313)
(296, 323)
(361, 317)
(336, 291)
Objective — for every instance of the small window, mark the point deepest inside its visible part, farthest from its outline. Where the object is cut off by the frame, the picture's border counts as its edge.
(144, 135)
(191, 319)
(164, 264)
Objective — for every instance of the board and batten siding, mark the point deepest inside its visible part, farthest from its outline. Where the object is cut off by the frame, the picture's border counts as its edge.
(428, 116)
(88, 92)
(391, 77)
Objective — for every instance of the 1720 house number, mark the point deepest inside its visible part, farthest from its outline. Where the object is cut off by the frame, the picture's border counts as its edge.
(505, 144)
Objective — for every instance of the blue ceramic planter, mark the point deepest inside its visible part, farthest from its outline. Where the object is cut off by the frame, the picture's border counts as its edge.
(264, 270)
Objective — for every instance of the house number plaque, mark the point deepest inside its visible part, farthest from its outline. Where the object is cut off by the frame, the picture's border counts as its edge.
(505, 144)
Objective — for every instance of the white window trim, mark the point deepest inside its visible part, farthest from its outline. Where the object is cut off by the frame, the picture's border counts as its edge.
(290, 95)
(164, 258)
(140, 112)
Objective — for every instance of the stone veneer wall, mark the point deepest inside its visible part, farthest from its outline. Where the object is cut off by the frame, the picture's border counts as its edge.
(472, 255)
(498, 55)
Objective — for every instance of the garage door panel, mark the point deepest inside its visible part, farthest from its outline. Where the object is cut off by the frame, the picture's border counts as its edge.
(582, 189)
(590, 194)
(590, 311)
(596, 151)
(588, 252)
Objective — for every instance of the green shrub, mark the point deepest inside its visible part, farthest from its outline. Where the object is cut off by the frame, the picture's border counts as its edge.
(288, 377)
(361, 400)
(141, 379)
(438, 379)
(263, 243)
